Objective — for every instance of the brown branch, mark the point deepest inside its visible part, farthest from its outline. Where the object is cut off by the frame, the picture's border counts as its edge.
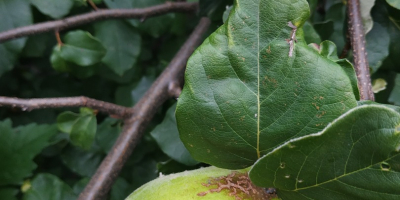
(144, 110)
(357, 37)
(33, 104)
(97, 16)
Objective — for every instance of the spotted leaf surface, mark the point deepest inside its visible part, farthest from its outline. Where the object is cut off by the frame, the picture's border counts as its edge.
(244, 95)
(355, 157)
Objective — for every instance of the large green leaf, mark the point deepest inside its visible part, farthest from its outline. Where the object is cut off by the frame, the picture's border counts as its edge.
(244, 95)
(356, 157)
(13, 14)
(123, 44)
(47, 186)
(167, 136)
(53, 8)
(18, 147)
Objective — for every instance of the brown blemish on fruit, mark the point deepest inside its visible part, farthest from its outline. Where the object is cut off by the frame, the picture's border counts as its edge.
(237, 185)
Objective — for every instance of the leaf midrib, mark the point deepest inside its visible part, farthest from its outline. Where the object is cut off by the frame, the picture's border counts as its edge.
(258, 83)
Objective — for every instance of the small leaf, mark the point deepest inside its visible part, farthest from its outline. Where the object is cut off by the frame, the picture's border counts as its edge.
(337, 14)
(167, 136)
(86, 111)
(131, 94)
(378, 39)
(80, 185)
(378, 85)
(395, 95)
(356, 157)
(324, 29)
(328, 49)
(394, 3)
(226, 13)
(38, 45)
(143, 173)
(80, 127)
(53, 8)
(82, 49)
(123, 44)
(81, 162)
(120, 189)
(310, 34)
(61, 65)
(66, 120)
(365, 10)
(107, 133)
(145, 147)
(13, 14)
(57, 143)
(18, 147)
(47, 186)
(84, 131)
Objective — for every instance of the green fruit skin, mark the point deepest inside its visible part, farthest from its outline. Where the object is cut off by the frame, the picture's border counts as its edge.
(184, 186)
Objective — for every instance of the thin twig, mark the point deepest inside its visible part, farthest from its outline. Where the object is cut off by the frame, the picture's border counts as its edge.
(41, 103)
(58, 38)
(357, 37)
(97, 16)
(144, 110)
(93, 5)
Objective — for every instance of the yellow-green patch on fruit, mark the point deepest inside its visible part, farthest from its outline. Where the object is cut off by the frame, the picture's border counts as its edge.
(209, 183)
